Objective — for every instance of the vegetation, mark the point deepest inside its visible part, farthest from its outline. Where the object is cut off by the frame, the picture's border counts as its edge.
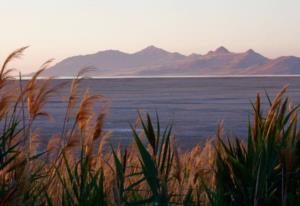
(74, 169)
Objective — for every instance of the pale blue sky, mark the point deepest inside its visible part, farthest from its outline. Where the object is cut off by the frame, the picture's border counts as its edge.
(61, 28)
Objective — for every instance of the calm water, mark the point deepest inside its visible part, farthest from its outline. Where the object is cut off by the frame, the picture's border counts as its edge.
(194, 105)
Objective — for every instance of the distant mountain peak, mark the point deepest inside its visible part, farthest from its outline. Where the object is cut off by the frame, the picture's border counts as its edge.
(254, 54)
(221, 50)
(151, 47)
(250, 51)
(151, 50)
(110, 52)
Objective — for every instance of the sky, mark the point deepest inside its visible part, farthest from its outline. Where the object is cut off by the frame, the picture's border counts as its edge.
(62, 28)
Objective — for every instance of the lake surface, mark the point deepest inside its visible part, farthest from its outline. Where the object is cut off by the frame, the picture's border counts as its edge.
(195, 106)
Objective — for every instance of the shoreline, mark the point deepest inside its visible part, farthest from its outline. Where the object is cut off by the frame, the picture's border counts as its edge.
(165, 77)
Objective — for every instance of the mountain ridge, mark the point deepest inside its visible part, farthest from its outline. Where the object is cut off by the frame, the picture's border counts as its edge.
(155, 61)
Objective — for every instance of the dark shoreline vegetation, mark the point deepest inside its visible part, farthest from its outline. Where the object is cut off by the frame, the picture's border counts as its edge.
(263, 169)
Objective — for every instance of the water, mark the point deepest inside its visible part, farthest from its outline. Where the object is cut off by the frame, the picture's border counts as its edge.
(195, 106)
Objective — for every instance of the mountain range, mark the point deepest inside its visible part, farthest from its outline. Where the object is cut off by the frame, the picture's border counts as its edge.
(153, 61)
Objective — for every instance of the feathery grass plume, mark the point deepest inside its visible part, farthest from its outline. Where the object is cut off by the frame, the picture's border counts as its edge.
(271, 116)
(7, 96)
(97, 131)
(85, 111)
(12, 56)
(98, 128)
(4, 72)
(37, 96)
(53, 145)
(97, 136)
(73, 97)
(5, 104)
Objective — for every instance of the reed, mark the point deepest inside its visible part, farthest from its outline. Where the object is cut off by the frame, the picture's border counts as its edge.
(75, 169)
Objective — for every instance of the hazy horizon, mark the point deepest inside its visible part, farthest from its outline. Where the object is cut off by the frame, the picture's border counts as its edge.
(59, 29)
